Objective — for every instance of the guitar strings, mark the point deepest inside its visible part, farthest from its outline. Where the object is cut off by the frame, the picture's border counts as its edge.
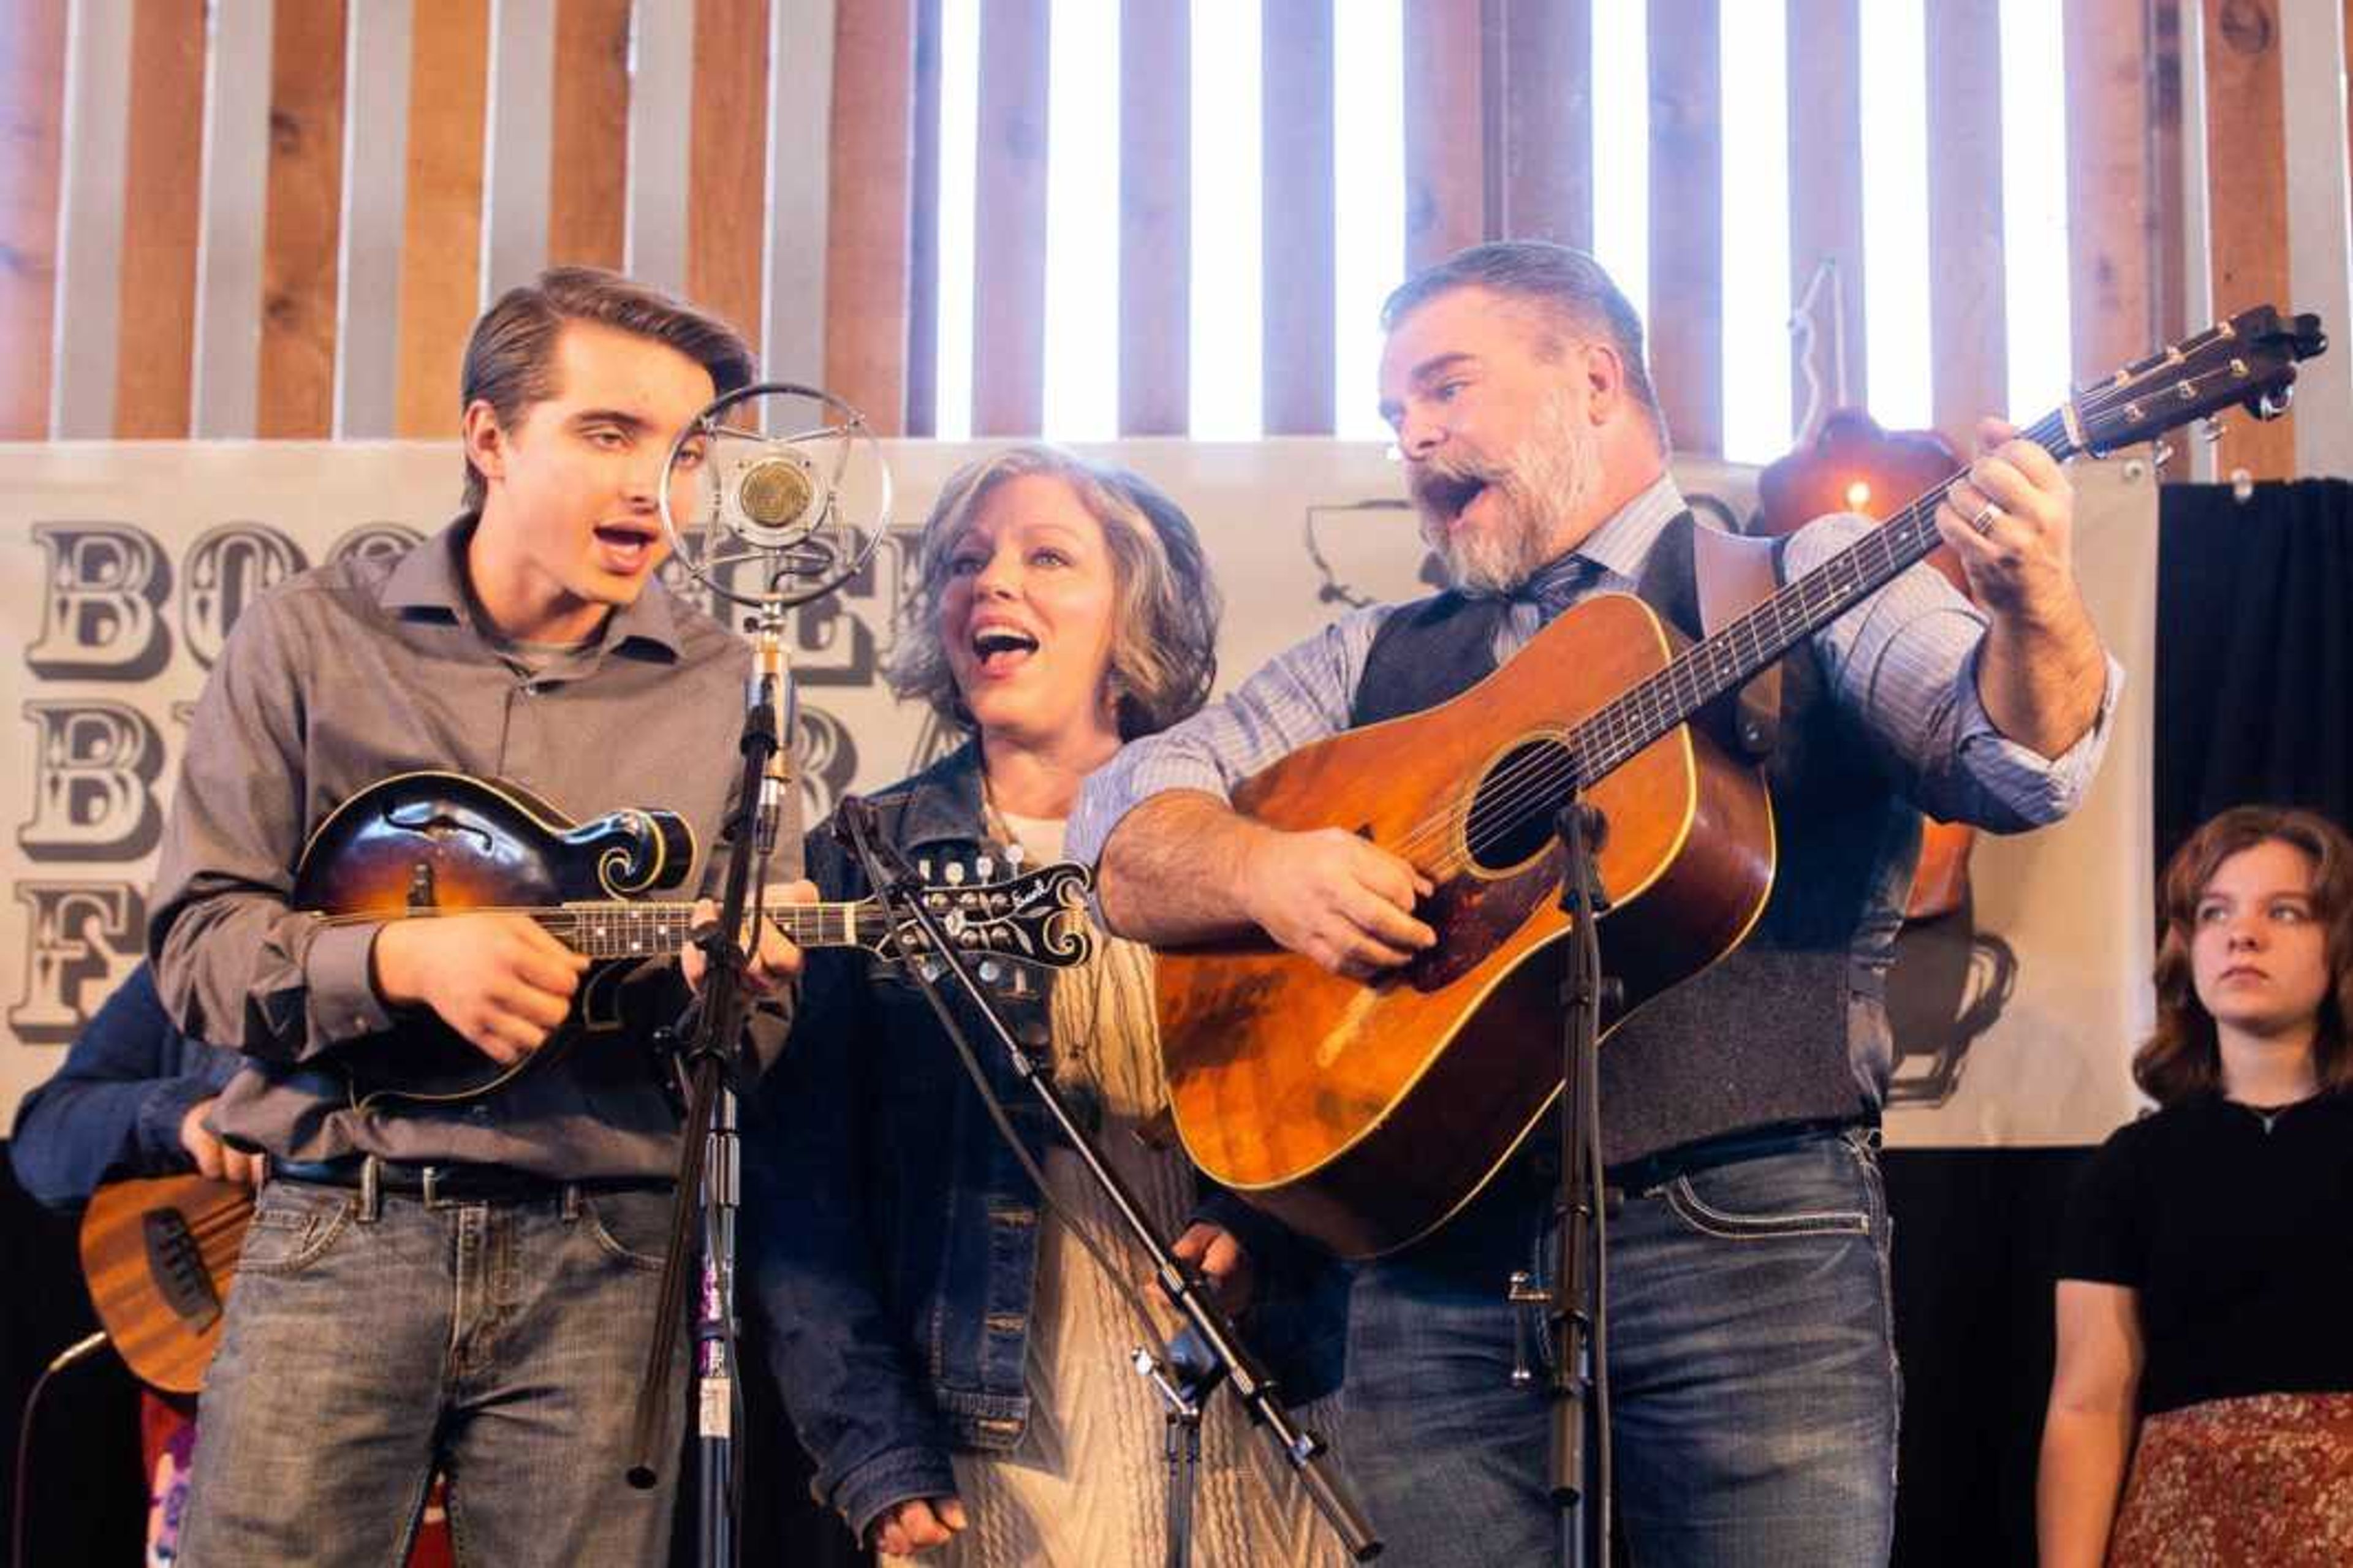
(1518, 791)
(1514, 793)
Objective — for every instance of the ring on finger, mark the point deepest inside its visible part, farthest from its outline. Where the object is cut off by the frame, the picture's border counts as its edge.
(1984, 518)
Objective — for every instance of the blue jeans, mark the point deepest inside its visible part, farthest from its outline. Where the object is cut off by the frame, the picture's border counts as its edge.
(1751, 1355)
(499, 1342)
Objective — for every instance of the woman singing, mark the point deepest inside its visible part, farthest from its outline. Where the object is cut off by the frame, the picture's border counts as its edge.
(2203, 1406)
(955, 1362)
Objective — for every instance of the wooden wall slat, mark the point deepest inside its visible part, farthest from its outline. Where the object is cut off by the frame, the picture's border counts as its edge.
(441, 270)
(32, 138)
(156, 324)
(866, 218)
(1547, 66)
(923, 231)
(302, 233)
(801, 58)
(1967, 320)
(1295, 195)
(2246, 184)
(2110, 231)
(727, 168)
(1009, 346)
(1686, 321)
(588, 158)
(1155, 218)
(1445, 139)
(1825, 191)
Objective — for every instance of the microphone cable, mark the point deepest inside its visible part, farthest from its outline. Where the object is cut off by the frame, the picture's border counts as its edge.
(80, 1350)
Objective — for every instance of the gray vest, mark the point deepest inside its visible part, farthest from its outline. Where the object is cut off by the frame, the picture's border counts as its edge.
(1761, 1040)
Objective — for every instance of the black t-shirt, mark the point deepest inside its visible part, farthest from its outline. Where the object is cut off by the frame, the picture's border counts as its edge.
(2239, 1240)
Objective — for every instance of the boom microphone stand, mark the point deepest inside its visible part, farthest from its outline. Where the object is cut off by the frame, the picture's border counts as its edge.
(1207, 1350)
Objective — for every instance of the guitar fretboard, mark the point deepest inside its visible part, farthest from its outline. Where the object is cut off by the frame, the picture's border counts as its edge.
(1709, 669)
(615, 929)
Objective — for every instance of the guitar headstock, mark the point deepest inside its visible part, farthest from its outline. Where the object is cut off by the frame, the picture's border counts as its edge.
(1006, 926)
(2248, 361)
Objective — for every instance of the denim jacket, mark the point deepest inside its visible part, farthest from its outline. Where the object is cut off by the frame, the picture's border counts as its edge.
(890, 1237)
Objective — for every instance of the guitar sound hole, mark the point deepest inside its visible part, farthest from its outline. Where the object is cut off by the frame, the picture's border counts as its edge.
(1511, 814)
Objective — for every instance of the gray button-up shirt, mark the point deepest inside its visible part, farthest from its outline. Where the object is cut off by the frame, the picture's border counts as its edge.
(368, 668)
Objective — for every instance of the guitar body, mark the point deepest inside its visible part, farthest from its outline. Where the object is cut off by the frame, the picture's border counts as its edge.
(448, 843)
(1365, 1115)
(159, 1255)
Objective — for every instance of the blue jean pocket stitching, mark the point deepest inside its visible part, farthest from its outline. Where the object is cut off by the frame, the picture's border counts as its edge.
(310, 1235)
(609, 1242)
(1696, 1212)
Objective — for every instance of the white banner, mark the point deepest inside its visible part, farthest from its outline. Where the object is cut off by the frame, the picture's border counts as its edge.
(123, 566)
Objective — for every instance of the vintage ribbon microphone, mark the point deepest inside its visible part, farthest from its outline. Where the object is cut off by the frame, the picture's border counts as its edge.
(769, 529)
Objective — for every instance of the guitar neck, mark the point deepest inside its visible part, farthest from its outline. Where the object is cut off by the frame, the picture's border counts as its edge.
(1722, 661)
(619, 929)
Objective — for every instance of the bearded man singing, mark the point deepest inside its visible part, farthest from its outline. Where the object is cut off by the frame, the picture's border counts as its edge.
(1750, 1346)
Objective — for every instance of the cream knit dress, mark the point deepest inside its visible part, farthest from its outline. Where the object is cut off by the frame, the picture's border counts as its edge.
(1087, 1485)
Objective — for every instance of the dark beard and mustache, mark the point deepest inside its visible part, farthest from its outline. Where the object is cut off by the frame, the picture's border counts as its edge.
(1540, 486)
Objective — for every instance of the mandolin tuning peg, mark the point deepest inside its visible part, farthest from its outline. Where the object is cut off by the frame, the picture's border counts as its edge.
(1013, 856)
(1021, 982)
(984, 868)
(955, 873)
(923, 869)
(991, 971)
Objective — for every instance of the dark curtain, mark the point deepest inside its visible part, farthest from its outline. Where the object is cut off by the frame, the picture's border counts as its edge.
(2254, 651)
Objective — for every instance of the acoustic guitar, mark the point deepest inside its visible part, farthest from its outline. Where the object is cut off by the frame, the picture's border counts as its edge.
(159, 1253)
(1364, 1114)
(422, 845)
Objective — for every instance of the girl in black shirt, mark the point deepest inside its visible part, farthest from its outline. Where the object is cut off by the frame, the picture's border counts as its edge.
(2207, 1264)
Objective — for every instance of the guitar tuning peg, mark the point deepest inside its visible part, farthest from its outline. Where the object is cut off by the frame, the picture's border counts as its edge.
(984, 868)
(1013, 856)
(2209, 430)
(2163, 454)
(955, 873)
(923, 869)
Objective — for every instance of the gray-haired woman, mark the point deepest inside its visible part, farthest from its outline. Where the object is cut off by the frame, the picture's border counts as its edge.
(954, 1361)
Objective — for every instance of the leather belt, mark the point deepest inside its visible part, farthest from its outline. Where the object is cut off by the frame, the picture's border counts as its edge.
(454, 1182)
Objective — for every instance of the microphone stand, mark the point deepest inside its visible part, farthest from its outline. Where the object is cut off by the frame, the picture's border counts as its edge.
(1576, 1304)
(708, 1167)
(1209, 1350)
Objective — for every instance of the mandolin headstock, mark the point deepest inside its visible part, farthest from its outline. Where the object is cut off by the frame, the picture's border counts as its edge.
(1007, 924)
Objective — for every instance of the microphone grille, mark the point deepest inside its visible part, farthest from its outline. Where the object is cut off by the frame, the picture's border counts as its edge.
(773, 492)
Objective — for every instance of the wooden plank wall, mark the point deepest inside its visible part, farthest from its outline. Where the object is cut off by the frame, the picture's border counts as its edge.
(2246, 159)
(1498, 140)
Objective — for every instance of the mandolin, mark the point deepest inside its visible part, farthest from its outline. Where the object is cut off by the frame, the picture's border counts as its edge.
(422, 845)
(159, 1253)
(1365, 1113)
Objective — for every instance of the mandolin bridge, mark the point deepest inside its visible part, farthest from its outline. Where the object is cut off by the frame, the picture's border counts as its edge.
(177, 1266)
